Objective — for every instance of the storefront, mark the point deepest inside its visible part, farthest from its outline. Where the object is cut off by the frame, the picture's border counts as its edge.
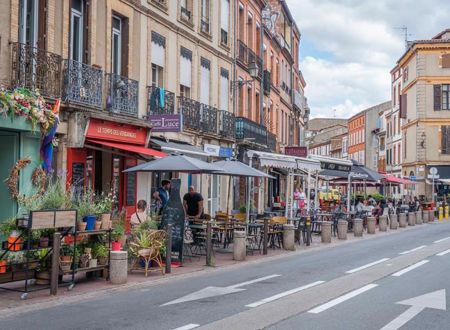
(108, 149)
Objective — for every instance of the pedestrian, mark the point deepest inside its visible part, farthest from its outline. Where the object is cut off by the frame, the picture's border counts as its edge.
(296, 198)
(140, 215)
(161, 195)
(193, 203)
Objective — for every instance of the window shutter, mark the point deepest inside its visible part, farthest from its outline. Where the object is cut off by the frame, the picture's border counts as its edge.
(444, 139)
(437, 97)
(446, 61)
(125, 45)
(42, 24)
(403, 106)
(86, 32)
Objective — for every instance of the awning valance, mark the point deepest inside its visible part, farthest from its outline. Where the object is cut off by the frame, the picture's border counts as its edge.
(283, 161)
(180, 148)
(131, 148)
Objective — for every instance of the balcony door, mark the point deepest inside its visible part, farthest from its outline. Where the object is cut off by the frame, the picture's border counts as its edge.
(76, 30)
(28, 24)
(117, 45)
(214, 194)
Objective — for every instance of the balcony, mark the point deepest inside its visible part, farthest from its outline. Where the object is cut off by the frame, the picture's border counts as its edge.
(251, 131)
(298, 101)
(83, 84)
(272, 141)
(226, 124)
(247, 56)
(36, 69)
(208, 119)
(157, 105)
(123, 95)
(190, 112)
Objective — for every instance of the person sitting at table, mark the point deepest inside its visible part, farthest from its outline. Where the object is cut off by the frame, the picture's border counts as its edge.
(193, 204)
(359, 207)
(140, 215)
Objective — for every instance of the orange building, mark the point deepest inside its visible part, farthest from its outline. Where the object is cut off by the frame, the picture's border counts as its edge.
(356, 137)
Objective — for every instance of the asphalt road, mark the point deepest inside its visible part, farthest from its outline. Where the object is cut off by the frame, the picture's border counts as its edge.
(280, 294)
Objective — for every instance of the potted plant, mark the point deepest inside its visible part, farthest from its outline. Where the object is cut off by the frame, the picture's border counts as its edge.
(16, 260)
(100, 252)
(117, 235)
(4, 263)
(45, 237)
(81, 225)
(43, 274)
(35, 238)
(7, 227)
(93, 260)
(103, 209)
(56, 196)
(66, 257)
(86, 209)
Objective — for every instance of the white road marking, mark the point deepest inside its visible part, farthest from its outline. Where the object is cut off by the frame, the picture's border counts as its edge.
(408, 269)
(256, 280)
(215, 291)
(341, 299)
(443, 253)
(188, 326)
(367, 266)
(412, 250)
(442, 239)
(435, 300)
(283, 294)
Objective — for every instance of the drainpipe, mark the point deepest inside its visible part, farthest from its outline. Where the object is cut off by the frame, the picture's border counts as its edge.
(261, 92)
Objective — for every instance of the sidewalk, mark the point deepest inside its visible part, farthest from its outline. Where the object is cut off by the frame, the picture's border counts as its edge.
(10, 302)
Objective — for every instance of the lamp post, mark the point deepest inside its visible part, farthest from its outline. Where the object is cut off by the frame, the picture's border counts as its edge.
(252, 70)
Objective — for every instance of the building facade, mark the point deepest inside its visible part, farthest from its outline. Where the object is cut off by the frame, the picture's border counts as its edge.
(424, 104)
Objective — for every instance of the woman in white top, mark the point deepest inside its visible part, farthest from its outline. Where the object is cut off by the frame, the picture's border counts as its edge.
(140, 215)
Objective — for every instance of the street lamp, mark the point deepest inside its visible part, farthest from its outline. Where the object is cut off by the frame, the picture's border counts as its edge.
(253, 70)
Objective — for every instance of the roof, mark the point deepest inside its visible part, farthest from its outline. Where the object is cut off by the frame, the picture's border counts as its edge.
(440, 34)
(379, 107)
(318, 124)
(327, 134)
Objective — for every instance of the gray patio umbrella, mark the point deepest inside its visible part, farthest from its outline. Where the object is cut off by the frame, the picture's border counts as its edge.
(176, 163)
(362, 171)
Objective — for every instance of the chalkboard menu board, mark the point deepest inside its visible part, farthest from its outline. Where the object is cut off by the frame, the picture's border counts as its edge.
(131, 189)
(78, 178)
(173, 214)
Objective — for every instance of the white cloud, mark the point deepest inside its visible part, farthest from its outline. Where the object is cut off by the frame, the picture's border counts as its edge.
(355, 47)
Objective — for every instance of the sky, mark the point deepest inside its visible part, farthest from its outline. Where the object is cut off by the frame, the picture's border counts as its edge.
(348, 47)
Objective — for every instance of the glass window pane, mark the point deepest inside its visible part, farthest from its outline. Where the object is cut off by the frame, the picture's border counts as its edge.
(77, 5)
(116, 23)
(76, 39)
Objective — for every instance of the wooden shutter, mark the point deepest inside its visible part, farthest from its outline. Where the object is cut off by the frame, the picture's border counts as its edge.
(403, 106)
(444, 139)
(445, 61)
(437, 97)
(125, 45)
(42, 24)
(86, 32)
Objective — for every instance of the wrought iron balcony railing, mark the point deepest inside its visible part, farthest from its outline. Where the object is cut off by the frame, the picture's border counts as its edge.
(208, 119)
(83, 84)
(190, 112)
(251, 131)
(227, 124)
(242, 52)
(123, 95)
(247, 56)
(36, 69)
(160, 101)
(271, 141)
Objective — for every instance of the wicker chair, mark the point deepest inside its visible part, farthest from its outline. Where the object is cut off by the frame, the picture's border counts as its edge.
(150, 253)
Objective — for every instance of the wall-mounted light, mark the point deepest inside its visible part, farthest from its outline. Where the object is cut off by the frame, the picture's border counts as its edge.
(422, 143)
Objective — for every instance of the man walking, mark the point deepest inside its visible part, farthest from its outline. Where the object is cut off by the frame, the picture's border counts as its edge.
(193, 203)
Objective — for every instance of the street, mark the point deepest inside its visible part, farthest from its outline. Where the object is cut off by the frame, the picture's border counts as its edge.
(367, 284)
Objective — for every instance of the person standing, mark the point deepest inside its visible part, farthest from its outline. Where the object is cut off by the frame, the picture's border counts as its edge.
(193, 203)
(161, 195)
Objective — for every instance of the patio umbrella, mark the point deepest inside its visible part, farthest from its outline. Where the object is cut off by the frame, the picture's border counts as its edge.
(236, 168)
(176, 163)
(360, 170)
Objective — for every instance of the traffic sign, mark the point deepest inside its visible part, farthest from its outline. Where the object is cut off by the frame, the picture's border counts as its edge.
(433, 170)
(431, 176)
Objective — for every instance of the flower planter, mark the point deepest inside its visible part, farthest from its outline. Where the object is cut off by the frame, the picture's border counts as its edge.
(3, 264)
(81, 226)
(92, 263)
(106, 221)
(43, 278)
(43, 242)
(66, 258)
(102, 261)
(90, 221)
(65, 265)
(116, 246)
(98, 225)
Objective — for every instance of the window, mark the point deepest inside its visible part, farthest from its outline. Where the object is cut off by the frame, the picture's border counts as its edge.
(205, 8)
(257, 119)
(224, 21)
(185, 10)
(241, 22)
(250, 30)
(249, 103)
(224, 89)
(445, 140)
(185, 72)
(28, 32)
(441, 97)
(399, 153)
(205, 75)
(258, 39)
(394, 95)
(76, 30)
(395, 155)
(116, 45)
(158, 59)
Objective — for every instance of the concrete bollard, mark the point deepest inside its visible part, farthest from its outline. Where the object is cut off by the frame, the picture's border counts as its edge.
(394, 221)
(239, 246)
(326, 232)
(289, 237)
(425, 216)
(402, 220)
(382, 223)
(419, 218)
(118, 267)
(411, 218)
(431, 216)
(342, 229)
(371, 225)
(358, 227)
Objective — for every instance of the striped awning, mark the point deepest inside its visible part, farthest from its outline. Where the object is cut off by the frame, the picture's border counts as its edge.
(275, 160)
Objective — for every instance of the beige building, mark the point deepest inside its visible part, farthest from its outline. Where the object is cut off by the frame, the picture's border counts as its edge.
(424, 106)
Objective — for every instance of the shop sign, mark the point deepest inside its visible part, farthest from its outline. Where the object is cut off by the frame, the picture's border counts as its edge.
(296, 151)
(335, 167)
(106, 130)
(218, 151)
(165, 123)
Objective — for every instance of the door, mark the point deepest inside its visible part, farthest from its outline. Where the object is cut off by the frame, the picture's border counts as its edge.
(9, 149)
(214, 195)
(130, 187)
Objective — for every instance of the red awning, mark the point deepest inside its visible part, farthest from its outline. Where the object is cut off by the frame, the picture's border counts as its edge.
(132, 148)
(393, 179)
